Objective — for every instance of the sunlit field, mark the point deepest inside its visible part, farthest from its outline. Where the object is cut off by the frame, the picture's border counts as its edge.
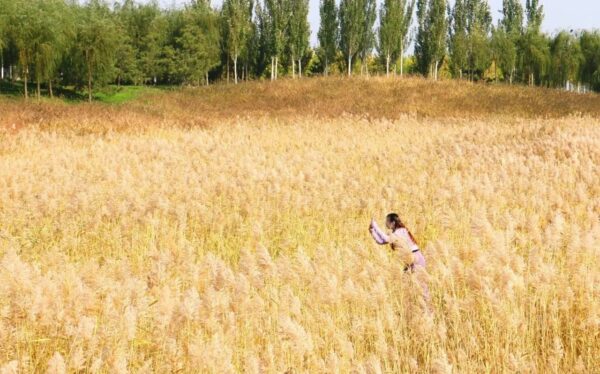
(225, 230)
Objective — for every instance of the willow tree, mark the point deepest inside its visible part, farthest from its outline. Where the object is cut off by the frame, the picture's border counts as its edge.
(565, 59)
(96, 43)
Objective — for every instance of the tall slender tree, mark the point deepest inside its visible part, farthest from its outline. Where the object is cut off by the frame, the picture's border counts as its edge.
(507, 37)
(3, 33)
(458, 42)
(533, 45)
(352, 21)
(430, 47)
(298, 32)
(395, 18)
(367, 39)
(329, 32)
(237, 22)
(275, 24)
(479, 27)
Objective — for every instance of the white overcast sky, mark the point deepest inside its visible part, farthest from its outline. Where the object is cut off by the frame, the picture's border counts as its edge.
(559, 14)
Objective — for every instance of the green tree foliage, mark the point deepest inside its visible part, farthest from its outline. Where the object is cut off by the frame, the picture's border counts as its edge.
(96, 41)
(367, 39)
(534, 46)
(395, 17)
(430, 44)
(470, 30)
(589, 74)
(298, 32)
(507, 38)
(352, 25)
(274, 24)
(237, 29)
(199, 41)
(329, 32)
(87, 44)
(565, 59)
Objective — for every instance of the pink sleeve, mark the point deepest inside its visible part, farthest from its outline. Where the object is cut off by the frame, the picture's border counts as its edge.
(378, 234)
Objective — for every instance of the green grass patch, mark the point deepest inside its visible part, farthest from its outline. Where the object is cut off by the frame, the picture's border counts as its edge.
(122, 94)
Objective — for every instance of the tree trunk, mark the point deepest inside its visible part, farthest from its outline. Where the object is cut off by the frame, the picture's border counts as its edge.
(235, 75)
(272, 70)
(387, 65)
(299, 68)
(50, 88)
(401, 59)
(227, 68)
(207, 82)
(276, 67)
(293, 67)
(89, 84)
(25, 77)
(436, 70)
(349, 65)
(326, 67)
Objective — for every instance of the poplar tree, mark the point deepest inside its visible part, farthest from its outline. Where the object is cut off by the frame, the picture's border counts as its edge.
(507, 37)
(328, 32)
(275, 30)
(351, 27)
(533, 44)
(395, 18)
(430, 47)
(367, 40)
(458, 41)
(237, 21)
(298, 32)
(3, 34)
(479, 25)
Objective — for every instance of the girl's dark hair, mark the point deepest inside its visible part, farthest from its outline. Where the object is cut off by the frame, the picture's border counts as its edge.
(395, 219)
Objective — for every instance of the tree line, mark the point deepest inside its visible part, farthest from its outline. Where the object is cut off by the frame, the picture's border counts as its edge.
(66, 43)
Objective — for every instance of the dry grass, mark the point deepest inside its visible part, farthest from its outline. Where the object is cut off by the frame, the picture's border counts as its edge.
(152, 238)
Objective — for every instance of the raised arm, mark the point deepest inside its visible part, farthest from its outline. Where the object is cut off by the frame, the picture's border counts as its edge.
(378, 234)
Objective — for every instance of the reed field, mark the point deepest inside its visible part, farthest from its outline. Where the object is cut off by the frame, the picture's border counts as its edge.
(225, 230)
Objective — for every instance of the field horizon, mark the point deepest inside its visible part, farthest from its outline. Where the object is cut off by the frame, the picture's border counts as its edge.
(225, 230)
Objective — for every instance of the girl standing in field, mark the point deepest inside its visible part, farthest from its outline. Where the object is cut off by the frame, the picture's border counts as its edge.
(403, 241)
(398, 239)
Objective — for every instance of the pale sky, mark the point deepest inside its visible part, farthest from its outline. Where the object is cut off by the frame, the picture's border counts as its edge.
(559, 14)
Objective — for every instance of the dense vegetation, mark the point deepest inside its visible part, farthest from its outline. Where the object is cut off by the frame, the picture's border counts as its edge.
(223, 230)
(63, 43)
